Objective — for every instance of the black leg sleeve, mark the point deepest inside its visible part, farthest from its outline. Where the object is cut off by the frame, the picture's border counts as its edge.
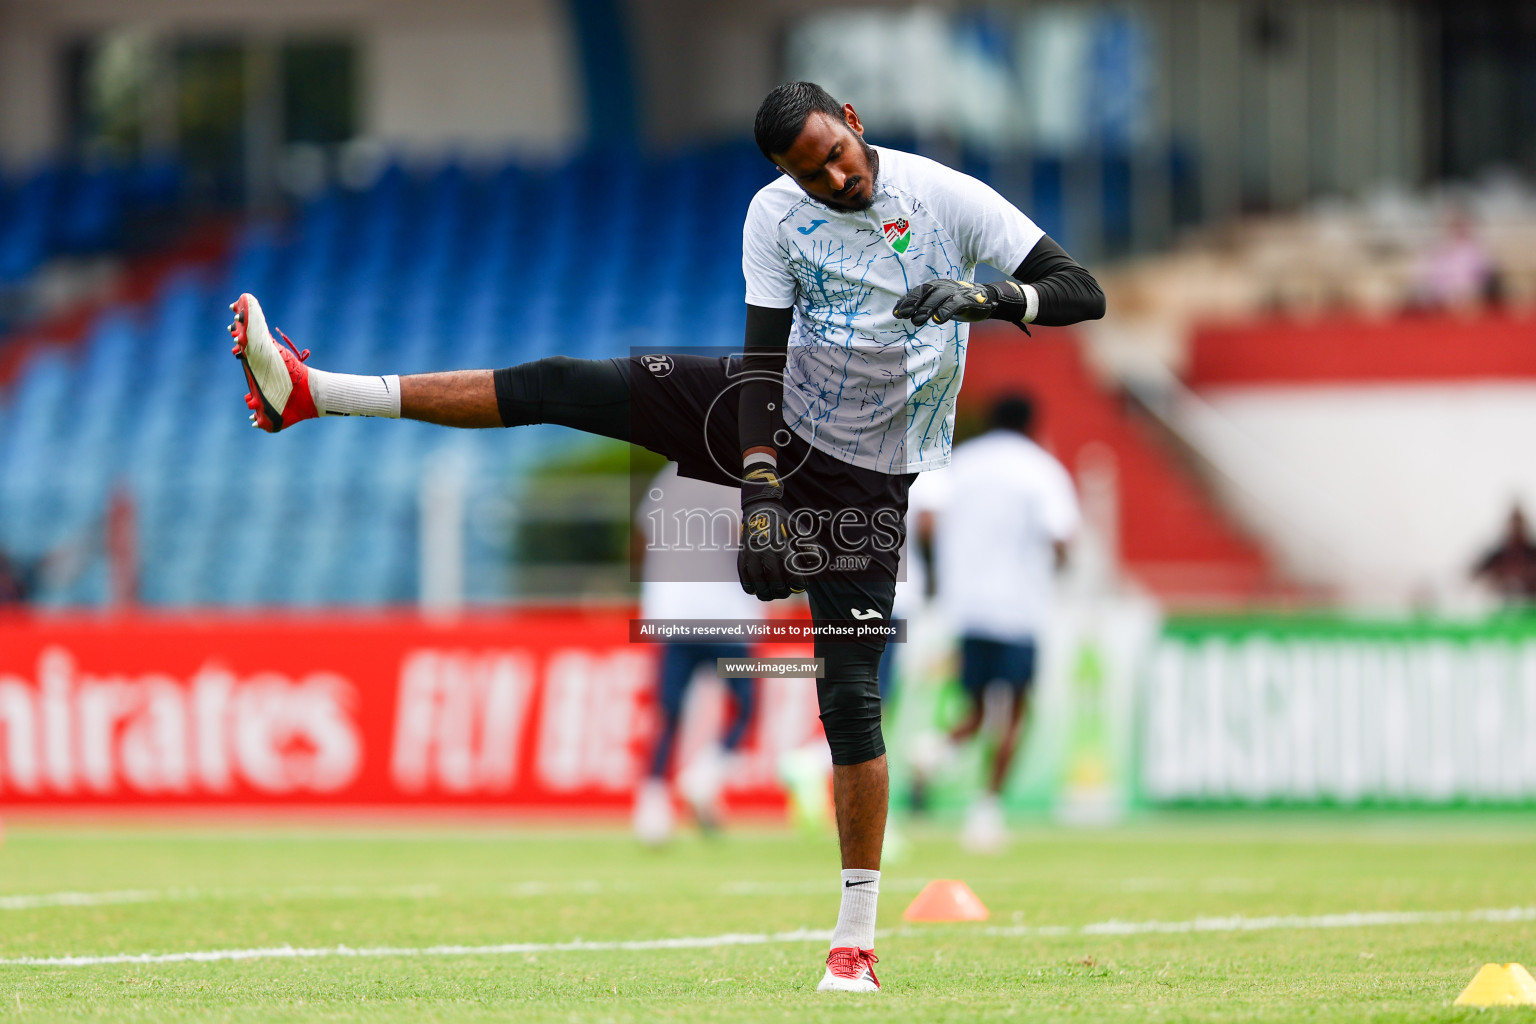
(588, 394)
(849, 700)
(849, 695)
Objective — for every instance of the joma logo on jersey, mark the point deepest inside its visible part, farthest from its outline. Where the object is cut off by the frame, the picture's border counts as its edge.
(898, 233)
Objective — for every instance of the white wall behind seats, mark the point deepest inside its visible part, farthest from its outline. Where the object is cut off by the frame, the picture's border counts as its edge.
(1386, 493)
(477, 87)
(472, 75)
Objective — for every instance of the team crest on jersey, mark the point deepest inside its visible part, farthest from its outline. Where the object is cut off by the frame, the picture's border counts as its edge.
(898, 233)
(659, 366)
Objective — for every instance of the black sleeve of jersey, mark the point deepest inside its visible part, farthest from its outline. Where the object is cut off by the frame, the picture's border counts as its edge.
(767, 348)
(1068, 293)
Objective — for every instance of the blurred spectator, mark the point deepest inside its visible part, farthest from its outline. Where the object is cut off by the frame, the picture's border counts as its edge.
(1458, 271)
(16, 583)
(688, 531)
(25, 582)
(1510, 567)
(121, 536)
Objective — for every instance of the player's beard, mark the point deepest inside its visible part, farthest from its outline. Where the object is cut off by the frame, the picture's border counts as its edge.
(873, 160)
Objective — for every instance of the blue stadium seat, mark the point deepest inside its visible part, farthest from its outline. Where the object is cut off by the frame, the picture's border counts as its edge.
(92, 212)
(25, 236)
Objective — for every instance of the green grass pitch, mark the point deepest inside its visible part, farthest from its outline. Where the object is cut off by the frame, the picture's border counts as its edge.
(180, 889)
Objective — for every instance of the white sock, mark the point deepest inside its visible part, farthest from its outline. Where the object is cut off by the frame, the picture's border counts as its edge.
(856, 917)
(348, 394)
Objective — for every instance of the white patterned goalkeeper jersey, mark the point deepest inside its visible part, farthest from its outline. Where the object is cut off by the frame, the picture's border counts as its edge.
(859, 384)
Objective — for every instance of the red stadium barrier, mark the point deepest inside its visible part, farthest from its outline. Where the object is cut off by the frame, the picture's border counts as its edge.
(538, 711)
(1350, 349)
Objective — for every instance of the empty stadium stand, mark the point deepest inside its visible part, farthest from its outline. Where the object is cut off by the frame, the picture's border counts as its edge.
(456, 267)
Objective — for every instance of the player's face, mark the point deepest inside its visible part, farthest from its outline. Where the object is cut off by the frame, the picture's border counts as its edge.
(831, 162)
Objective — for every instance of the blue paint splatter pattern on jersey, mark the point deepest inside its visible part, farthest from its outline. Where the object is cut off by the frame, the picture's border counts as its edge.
(860, 384)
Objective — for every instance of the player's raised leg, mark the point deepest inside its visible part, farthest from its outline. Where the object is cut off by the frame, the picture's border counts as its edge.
(588, 394)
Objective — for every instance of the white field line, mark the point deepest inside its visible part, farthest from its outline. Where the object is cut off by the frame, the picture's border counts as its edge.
(32, 901)
(38, 901)
(504, 949)
(1234, 923)
(1240, 923)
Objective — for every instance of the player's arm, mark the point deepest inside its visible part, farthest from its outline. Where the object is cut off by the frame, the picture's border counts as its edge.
(1063, 290)
(763, 563)
(1049, 288)
(766, 352)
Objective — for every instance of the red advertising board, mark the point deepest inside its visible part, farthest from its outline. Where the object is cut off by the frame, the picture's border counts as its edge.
(537, 710)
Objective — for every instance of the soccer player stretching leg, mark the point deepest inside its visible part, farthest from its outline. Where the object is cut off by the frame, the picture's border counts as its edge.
(859, 263)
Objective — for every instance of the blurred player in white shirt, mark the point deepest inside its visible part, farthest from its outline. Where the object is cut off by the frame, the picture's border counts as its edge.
(1002, 535)
(688, 530)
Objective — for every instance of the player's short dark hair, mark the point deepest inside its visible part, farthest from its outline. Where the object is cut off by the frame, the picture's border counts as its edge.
(782, 116)
(1013, 411)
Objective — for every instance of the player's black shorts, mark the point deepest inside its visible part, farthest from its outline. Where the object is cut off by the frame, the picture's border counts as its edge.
(849, 522)
(985, 662)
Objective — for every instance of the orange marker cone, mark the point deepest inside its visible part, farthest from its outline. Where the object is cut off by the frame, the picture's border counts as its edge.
(945, 899)
(1500, 985)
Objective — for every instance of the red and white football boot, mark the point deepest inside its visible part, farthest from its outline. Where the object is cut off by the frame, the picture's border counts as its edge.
(850, 969)
(278, 379)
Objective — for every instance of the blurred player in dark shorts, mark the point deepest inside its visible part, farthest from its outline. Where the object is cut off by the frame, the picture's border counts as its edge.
(688, 533)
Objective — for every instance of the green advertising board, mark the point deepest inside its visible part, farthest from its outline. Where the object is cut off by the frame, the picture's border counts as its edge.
(1261, 711)
(1334, 711)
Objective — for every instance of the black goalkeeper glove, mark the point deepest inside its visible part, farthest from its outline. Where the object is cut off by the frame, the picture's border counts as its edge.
(945, 300)
(763, 564)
